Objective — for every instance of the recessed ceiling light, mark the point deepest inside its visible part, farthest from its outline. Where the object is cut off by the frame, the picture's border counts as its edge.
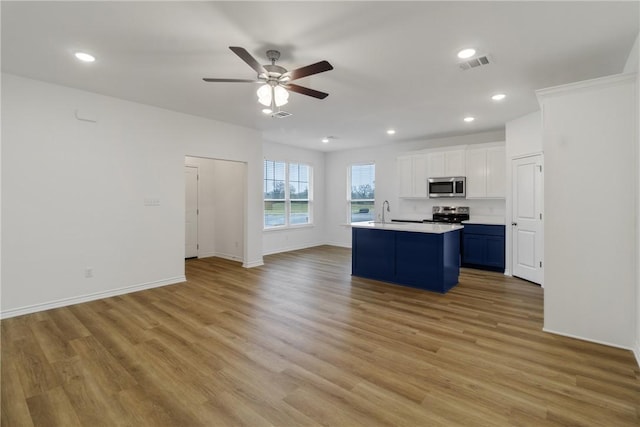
(466, 53)
(391, 132)
(325, 140)
(469, 119)
(498, 96)
(84, 57)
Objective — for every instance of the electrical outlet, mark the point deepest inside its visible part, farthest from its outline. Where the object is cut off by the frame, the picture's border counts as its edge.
(88, 272)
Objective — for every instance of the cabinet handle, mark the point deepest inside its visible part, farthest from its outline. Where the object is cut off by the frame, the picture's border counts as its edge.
(514, 223)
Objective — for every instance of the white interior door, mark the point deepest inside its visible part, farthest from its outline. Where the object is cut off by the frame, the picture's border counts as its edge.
(527, 218)
(191, 212)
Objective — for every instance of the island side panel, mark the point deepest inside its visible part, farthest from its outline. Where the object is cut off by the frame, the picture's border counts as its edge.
(451, 259)
(373, 254)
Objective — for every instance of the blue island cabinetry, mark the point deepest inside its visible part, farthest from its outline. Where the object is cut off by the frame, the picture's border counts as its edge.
(422, 260)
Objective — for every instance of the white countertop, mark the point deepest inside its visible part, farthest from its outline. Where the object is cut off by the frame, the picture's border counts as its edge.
(412, 217)
(485, 220)
(408, 226)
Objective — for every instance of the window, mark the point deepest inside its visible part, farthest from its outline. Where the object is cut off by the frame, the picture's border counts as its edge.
(287, 194)
(274, 197)
(361, 197)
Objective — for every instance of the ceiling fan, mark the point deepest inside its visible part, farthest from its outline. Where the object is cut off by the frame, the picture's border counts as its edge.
(276, 79)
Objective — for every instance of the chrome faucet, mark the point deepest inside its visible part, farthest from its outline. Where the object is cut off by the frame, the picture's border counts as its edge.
(388, 210)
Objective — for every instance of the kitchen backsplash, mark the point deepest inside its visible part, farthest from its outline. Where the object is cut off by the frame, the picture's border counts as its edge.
(478, 207)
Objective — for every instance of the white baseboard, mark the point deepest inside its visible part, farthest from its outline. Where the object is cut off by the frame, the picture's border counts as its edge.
(251, 264)
(305, 246)
(206, 254)
(636, 352)
(589, 340)
(230, 257)
(89, 297)
(339, 244)
(293, 248)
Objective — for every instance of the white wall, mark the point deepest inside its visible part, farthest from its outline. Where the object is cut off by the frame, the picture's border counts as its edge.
(386, 182)
(303, 236)
(589, 137)
(633, 66)
(73, 193)
(523, 137)
(633, 62)
(229, 185)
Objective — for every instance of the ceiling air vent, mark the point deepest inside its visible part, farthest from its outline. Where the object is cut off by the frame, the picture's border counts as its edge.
(281, 114)
(474, 62)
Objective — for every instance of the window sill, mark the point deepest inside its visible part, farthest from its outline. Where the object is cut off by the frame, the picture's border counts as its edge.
(288, 227)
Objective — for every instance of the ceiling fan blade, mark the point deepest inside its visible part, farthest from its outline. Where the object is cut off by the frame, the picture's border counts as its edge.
(230, 80)
(246, 57)
(318, 67)
(306, 91)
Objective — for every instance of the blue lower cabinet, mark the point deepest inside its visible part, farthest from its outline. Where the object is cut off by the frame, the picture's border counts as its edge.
(421, 260)
(483, 247)
(474, 249)
(374, 254)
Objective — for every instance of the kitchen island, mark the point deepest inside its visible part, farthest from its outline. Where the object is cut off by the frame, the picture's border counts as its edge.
(425, 256)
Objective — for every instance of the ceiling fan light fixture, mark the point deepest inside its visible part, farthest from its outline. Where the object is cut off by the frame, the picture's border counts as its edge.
(267, 94)
(281, 96)
(264, 95)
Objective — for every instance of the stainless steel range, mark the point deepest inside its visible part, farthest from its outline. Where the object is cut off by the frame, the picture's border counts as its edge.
(449, 214)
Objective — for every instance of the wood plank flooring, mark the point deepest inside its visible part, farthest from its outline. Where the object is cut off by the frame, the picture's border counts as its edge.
(299, 342)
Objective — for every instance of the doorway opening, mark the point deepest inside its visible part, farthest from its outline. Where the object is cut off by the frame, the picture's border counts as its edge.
(215, 193)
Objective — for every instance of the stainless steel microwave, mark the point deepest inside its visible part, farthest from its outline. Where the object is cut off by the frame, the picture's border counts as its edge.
(451, 186)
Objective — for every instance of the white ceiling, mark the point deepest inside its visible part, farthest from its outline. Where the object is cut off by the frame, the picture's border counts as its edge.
(395, 63)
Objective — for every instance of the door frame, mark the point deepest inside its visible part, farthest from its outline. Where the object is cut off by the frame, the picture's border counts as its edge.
(197, 210)
(509, 213)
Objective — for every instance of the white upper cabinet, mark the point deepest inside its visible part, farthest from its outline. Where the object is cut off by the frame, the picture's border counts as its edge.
(483, 165)
(412, 175)
(476, 173)
(486, 172)
(446, 163)
(420, 175)
(435, 163)
(404, 170)
(496, 172)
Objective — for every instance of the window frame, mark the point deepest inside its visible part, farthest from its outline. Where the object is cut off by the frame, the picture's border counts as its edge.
(349, 207)
(287, 197)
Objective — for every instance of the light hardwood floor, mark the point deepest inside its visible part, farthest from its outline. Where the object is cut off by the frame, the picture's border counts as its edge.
(299, 342)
